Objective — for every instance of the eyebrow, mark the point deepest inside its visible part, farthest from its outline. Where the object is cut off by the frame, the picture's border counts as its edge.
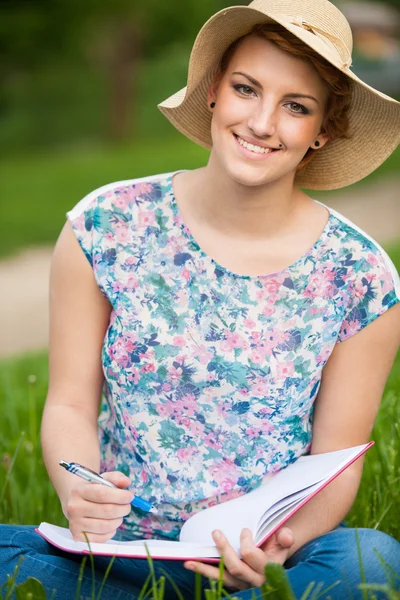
(258, 84)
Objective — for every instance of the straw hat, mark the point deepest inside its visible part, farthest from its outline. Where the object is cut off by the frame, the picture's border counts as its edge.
(374, 117)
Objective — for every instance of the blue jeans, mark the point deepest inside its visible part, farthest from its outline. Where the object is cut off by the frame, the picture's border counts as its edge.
(331, 559)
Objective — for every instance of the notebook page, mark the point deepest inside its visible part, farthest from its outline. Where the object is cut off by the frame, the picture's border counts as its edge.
(247, 511)
(62, 538)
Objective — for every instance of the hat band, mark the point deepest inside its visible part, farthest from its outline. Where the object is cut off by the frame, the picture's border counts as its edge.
(339, 45)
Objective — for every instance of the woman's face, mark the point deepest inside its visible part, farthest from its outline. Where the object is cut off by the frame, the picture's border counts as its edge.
(269, 110)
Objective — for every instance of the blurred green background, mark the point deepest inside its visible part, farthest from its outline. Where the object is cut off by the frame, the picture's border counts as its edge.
(79, 85)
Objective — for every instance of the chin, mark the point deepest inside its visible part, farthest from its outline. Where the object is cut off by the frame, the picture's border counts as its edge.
(250, 177)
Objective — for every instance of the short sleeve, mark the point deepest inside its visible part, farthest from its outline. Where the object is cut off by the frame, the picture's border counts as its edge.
(373, 290)
(82, 218)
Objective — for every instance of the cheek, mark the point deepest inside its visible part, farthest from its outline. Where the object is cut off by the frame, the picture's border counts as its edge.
(299, 132)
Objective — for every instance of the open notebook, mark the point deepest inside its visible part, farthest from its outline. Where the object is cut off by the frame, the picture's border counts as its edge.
(263, 511)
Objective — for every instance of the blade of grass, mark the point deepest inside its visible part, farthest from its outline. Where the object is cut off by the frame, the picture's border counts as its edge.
(9, 470)
(107, 571)
(80, 577)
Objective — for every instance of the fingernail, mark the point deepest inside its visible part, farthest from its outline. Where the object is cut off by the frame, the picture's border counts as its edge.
(190, 566)
(217, 535)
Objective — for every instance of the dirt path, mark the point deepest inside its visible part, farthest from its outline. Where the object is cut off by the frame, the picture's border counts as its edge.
(24, 278)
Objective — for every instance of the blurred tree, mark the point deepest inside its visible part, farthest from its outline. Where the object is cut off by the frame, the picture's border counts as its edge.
(126, 31)
(114, 34)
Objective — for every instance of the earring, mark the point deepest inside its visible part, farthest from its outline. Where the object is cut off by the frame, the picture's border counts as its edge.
(317, 144)
(212, 104)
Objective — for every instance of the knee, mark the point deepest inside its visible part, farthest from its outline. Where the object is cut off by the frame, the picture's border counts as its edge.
(379, 554)
(17, 540)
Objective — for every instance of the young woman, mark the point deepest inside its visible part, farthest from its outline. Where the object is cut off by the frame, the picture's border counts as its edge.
(234, 322)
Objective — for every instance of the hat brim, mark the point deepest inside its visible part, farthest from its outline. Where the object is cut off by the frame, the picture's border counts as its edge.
(374, 118)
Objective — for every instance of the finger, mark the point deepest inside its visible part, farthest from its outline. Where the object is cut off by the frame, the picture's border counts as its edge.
(285, 537)
(251, 555)
(236, 567)
(94, 527)
(117, 478)
(211, 572)
(102, 494)
(79, 508)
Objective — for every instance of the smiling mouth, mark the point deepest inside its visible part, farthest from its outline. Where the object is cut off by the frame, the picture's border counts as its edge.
(254, 148)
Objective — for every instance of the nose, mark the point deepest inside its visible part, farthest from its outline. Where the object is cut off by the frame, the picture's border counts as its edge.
(262, 120)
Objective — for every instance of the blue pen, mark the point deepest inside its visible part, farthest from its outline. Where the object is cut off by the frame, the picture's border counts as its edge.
(93, 477)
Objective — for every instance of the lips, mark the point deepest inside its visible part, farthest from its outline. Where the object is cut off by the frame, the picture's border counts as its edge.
(254, 148)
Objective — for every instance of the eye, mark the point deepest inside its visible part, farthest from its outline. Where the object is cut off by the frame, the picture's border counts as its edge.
(297, 108)
(243, 89)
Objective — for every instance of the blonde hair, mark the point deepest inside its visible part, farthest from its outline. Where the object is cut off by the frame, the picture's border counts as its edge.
(335, 122)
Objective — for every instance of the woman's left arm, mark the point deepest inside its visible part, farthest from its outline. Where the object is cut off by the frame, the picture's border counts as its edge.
(351, 389)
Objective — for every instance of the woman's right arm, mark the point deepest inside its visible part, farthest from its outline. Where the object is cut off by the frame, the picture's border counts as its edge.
(79, 317)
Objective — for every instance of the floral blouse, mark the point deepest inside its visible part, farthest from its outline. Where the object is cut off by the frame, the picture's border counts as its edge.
(211, 376)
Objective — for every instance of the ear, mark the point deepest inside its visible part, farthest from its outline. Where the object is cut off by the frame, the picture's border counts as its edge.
(213, 89)
(322, 138)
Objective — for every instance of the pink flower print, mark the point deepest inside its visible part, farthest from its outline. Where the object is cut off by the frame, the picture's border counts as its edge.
(259, 387)
(261, 295)
(132, 283)
(249, 323)
(210, 376)
(149, 368)
(130, 342)
(266, 427)
(212, 441)
(179, 341)
(351, 328)
(186, 274)
(174, 374)
(166, 387)
(133, 375)
(272, 286)
(202, 354)
(117, 287)
(313, 311)
(184, 421)
(227, 484)
(122, 234)
(185, 454)
(142, 188)
(196, 428)
(224, 470)
(266, 410)
(121, 201)
(359, 290)
(285, 369)
(146, 218)
(186, 406)
(244, 392)
(258, 355)
(387, 281)
(268, 310)
(323, 355)
(166, 409)
(372, 260)
(252, 432)
(232, 340)
(256, 336)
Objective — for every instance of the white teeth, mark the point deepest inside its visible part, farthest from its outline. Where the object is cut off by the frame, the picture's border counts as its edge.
(252, 147)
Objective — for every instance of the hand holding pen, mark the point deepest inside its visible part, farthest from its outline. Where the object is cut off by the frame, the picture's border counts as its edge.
(98, 510)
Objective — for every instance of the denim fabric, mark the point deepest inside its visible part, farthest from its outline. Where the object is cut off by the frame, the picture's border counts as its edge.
(330, 559)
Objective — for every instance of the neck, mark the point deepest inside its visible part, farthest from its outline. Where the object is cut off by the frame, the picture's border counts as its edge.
(243, 211)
